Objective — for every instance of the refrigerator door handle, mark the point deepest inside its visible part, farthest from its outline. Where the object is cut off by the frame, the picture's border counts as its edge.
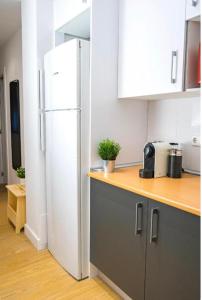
(42, 132)
(41, 110)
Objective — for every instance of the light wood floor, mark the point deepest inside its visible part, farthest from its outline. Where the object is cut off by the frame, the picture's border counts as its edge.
(27, 274)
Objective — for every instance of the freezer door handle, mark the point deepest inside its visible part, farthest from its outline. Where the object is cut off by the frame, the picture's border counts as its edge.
(41, 93)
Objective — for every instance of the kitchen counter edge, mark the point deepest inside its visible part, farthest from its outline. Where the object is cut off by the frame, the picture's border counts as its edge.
(143, 192)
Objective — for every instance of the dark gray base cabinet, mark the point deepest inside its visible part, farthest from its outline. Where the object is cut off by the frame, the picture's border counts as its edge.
(148, 249)
(118, 243)
(173, 259)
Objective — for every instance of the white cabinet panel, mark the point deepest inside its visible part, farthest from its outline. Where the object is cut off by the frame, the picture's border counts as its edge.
(193, 9)
(151, 47)
(65, 10)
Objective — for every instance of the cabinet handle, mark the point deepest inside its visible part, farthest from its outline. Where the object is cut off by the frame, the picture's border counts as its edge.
(174, 67)
(138, 218)
(154, 225)
(194, 3)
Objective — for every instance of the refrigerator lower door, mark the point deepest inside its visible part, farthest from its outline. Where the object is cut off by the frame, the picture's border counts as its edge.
(63, 193)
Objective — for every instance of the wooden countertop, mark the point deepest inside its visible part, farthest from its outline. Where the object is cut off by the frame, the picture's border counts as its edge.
(182, 193)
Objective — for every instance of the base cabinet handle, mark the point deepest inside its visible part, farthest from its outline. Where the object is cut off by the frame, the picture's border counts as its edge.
(174, 63)
(154, 225)
(138, 218)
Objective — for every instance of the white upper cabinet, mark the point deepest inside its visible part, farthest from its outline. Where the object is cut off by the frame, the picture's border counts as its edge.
(192, 9)
(151, 47)
(66, 10)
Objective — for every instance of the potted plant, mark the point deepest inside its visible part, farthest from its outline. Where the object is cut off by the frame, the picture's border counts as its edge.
(108, 150)
(20, 172)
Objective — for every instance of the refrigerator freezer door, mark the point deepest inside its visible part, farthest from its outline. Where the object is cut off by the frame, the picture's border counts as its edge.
(62, 77)
(63, 196)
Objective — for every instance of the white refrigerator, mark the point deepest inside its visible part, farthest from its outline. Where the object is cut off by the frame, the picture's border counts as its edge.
(66, 140)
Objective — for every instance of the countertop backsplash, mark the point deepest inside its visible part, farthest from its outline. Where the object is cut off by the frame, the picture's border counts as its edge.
(177, 120)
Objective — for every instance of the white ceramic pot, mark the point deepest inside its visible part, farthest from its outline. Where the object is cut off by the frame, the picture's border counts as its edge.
(109, 166)
(22, 181)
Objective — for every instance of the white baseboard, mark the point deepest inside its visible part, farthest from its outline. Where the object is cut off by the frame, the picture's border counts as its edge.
(34, 238)
(114, 287)
(95, 272)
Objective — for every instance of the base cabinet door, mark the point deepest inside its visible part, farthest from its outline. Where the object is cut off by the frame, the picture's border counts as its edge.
(118, 236)
(173, 254)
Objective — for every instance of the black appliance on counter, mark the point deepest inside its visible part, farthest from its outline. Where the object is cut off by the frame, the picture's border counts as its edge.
(161, 159)
(175, 162)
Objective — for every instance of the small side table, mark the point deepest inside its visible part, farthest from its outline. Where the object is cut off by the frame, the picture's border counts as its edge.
(16, 207)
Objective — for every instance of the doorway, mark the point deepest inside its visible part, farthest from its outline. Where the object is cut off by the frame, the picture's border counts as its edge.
(3, 158)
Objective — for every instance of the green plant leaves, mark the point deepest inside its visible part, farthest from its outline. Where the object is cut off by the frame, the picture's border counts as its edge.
(20, 172)
(108, 149)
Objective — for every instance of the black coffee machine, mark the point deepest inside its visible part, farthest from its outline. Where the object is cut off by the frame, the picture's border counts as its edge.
(161, 159)
(149, 159)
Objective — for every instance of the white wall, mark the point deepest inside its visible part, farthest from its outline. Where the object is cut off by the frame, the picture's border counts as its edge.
(37, 40)
(11, 68)
(65, 10)
(177, 120)
(122, 120)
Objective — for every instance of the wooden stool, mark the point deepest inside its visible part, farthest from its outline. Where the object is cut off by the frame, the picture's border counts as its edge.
(16, 207)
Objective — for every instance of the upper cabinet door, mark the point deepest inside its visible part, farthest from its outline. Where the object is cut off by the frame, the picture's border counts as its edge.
(151, 47)
(193, 9)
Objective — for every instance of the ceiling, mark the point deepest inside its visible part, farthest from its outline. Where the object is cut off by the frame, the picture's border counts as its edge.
(10, 19)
